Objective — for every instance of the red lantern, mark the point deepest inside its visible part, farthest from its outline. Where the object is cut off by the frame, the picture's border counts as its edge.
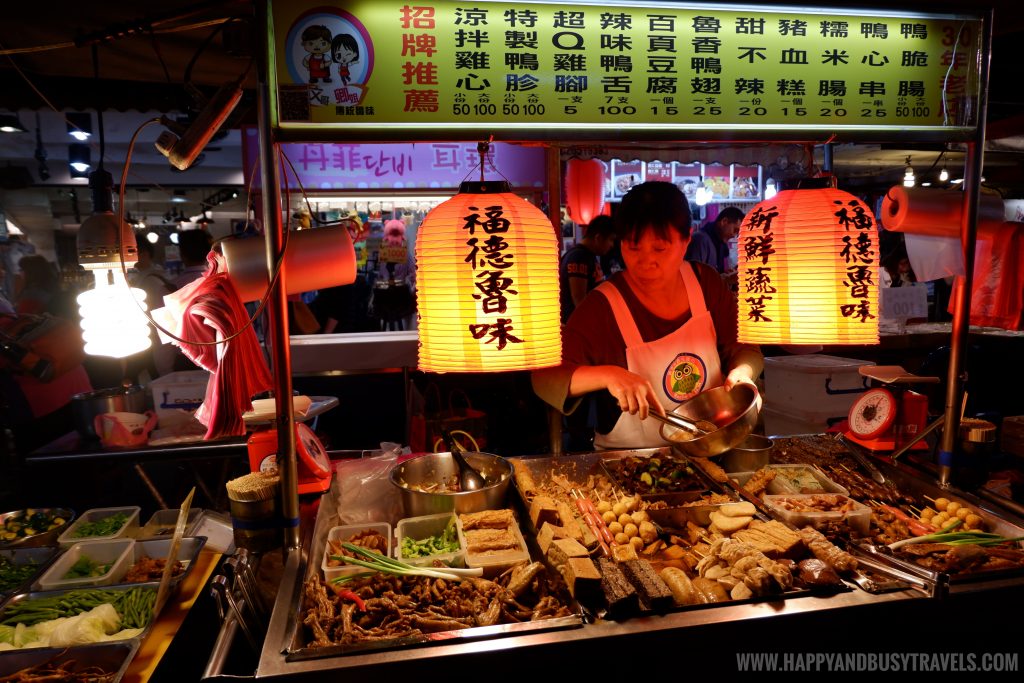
(584, 189)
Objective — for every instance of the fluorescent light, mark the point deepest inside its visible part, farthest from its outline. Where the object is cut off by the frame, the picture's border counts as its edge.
(79, 125)
(10, 123)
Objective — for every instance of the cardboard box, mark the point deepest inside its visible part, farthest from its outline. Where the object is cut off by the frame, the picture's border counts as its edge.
(179, 391)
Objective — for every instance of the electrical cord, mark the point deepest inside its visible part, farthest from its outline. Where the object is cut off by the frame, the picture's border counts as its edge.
(279, 259)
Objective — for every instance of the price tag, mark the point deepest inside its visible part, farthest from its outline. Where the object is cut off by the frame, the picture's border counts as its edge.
(908, 301)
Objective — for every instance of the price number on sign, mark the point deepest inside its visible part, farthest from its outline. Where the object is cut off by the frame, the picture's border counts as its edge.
(909, 301)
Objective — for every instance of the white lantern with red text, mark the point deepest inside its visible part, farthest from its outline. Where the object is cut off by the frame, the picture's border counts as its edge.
(487, 284)
(808, 270)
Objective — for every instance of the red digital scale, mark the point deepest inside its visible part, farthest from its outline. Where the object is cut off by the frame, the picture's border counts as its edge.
(886, 418)
(314, 465)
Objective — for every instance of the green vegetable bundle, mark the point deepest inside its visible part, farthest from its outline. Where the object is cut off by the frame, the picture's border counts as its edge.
(13, 575)
(135, 606)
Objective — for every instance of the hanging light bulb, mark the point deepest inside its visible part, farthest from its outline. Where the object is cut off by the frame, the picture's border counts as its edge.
(770, 190)
(152, 237)
(943, 174)
(113, 322)
(703, 195)
(174, 238)
(908, 175)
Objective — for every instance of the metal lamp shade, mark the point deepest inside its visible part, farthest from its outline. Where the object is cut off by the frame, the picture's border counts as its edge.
(808, 270)
(487, 284)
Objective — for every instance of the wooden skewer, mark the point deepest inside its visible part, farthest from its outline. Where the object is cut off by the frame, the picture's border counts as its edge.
(929, 498)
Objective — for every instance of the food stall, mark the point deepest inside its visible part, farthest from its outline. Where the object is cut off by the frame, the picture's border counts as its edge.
(311, 634)
(683, 525)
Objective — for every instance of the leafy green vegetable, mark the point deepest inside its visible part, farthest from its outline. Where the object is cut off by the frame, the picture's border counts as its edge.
(101, 527)
(13, 575)
(87, 567)
(950, 537)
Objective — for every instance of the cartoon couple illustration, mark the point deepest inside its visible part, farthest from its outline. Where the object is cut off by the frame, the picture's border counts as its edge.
(342, 50)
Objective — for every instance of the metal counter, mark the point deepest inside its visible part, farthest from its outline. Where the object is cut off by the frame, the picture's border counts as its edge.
(286, 621)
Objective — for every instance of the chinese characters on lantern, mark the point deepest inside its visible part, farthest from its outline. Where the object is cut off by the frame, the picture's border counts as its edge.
(758, 248)
(858, 253)
(490, 257)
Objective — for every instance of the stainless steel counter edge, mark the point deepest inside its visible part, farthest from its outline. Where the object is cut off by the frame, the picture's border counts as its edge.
(356, 352)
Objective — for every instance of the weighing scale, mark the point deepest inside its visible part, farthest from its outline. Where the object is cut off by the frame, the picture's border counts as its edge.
(886, 418)
(314, 465)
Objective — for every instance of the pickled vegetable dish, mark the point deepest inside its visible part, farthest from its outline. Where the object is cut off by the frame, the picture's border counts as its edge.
(30, 523)
(654, 475)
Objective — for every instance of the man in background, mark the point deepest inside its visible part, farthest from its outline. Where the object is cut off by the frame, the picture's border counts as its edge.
(710, 244)
(194, 246)
(580, 269)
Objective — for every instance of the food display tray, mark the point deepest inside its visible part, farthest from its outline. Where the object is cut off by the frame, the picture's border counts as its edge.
(127, 530)
(21, 597)
(45, 538)
(114, 657)
(295, 651)
(41, 558)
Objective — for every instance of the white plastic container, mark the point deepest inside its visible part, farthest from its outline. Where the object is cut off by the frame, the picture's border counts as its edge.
(118, 553)
(858, 518)
(784, 485)
(497, 562)
(787, 423)
(419, 528)
(344, 533)
(127, 530)
(813, 383)
(183, 390)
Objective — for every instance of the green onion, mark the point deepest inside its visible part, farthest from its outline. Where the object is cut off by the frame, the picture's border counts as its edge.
(953, 538)
(387, 565)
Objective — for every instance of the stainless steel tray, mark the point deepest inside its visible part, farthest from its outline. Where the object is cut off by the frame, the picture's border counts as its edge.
(39, 557)
(296, 651)
(22, 597)
(112, 657)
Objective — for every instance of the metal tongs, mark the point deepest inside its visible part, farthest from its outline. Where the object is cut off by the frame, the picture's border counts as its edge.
(859, 455)
(683, 423)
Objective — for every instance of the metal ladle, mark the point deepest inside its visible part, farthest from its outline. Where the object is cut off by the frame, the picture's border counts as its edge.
(469, 478)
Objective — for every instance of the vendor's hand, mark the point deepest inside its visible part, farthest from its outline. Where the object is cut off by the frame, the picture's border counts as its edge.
(634, 393)
(740, 376)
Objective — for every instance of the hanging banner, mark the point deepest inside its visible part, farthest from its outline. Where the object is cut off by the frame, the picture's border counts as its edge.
(657, 67)
(396, 166)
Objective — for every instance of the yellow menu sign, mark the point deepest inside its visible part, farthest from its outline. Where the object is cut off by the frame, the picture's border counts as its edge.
(471, 65)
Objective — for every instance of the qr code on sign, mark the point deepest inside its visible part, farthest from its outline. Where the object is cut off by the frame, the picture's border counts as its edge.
(294, 102)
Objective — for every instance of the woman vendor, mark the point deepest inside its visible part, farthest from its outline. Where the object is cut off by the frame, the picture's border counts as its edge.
(657, 334)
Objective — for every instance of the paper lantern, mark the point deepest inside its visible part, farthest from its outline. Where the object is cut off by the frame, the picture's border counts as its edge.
(584, 189)
(487, 284)
(808, 270)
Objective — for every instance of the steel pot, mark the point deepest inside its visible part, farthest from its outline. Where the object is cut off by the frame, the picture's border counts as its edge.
(734, 411)
(439, 471)
(85, 407)
(749, 455)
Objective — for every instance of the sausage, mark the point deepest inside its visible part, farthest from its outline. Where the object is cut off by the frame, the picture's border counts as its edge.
(681, 586)
(916, 526)
(710, 591)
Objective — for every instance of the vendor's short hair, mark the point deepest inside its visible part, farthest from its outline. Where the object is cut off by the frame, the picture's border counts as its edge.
(729, 213)
(657, 205)
(601, 226)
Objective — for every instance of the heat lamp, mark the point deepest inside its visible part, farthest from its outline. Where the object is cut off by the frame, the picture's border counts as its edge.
(113, 321)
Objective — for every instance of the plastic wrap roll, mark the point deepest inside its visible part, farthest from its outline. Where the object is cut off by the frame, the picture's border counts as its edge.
(924, 211)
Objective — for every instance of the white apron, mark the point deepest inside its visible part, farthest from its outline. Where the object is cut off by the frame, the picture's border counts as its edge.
(679, 366)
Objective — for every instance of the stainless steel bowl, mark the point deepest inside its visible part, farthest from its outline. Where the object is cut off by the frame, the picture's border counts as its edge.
(439, 471)
(749, 455)
(41, 538)
(85, 407)
(734, 411)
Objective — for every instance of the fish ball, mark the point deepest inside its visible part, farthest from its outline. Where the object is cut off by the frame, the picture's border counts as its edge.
(633, 504)
(963, 513)
(619, 509)
(927, 514)
(615, 528)
(621, 539)
(640, 516)
(974, 521)
(625, 519)
(631, 530)
(941, 503)
(609, 517)
(637, 543)
(953, 507)
(604, 506)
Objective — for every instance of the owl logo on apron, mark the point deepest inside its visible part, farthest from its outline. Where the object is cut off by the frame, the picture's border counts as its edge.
(685, 377)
